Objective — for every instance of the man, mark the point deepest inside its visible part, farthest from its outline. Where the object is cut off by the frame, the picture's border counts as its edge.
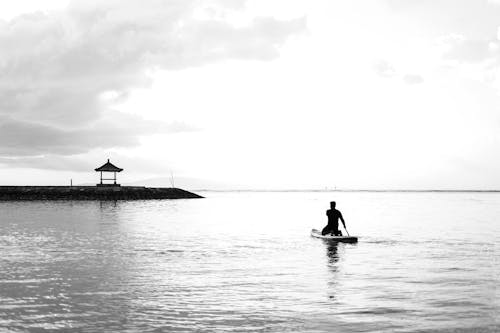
(333, 221)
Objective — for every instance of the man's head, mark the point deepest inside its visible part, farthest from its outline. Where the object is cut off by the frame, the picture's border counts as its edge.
(332, 204)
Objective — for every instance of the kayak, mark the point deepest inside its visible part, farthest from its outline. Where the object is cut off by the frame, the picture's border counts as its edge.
(346, 239)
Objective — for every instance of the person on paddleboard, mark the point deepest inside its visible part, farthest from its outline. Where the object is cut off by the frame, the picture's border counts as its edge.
(333, 221)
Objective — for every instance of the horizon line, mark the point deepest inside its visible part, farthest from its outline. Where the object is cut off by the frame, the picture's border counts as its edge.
(283, 190)
(349, 190)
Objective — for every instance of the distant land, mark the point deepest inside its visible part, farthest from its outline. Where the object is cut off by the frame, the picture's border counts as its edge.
(194, 184)
(197, 184)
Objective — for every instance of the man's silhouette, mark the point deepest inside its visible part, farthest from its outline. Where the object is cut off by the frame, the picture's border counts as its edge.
(333, 221)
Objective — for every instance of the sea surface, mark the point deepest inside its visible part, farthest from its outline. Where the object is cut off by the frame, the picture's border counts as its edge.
(245, 262)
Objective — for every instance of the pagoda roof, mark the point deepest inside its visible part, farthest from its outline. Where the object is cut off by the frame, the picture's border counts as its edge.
(108, 166)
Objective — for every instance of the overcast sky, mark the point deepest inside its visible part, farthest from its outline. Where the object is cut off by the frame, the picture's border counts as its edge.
(265, 94)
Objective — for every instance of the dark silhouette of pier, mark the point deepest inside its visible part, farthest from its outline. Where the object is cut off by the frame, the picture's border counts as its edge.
(92, 193)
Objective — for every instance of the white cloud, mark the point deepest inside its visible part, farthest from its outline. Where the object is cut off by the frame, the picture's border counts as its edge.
(413, 79)
(471, 51)
(384, 68)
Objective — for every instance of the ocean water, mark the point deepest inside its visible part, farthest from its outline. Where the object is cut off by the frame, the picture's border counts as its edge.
(245, 262)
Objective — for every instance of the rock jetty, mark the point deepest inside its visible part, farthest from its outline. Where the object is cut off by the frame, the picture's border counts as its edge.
(92, 193)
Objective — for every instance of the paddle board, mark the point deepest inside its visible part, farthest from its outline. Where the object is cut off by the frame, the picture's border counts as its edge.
(346, 239)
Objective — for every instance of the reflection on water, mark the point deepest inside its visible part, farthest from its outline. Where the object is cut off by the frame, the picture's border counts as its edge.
(332, 253)
(333, 258)
(245, 262)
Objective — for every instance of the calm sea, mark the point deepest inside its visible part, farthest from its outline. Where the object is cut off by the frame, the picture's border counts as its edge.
(245, 262)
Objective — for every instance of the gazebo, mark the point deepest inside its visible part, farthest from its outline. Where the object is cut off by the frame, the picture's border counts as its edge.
(109, 167)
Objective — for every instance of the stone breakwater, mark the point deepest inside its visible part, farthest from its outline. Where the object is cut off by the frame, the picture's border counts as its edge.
(92, 193)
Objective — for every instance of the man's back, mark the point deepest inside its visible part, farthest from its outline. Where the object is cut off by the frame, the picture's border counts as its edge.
(333, 216)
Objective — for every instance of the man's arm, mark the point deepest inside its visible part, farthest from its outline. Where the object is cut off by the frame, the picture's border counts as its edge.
(342, 219)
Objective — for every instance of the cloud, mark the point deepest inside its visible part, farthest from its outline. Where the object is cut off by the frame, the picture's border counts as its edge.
(84, 164)
(384, 69)
(23, 138)
(61, 73)
(470, 51)
(413, 79)
(52, 162)
(475, 59)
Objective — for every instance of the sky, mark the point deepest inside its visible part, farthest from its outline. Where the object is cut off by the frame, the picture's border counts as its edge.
(263, 94)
